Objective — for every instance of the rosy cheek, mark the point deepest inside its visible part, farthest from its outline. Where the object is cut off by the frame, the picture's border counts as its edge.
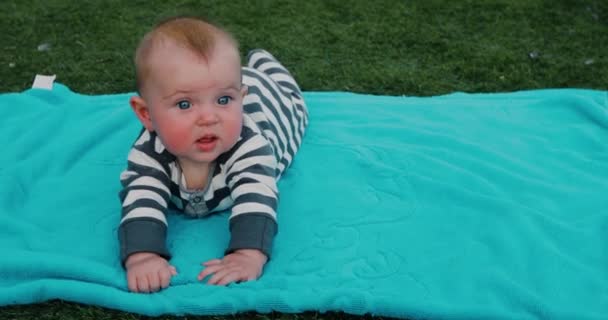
(235, 129)
(175, 138)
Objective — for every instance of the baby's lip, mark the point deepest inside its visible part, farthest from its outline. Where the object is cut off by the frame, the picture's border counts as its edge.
(207, 143)
(207, 138)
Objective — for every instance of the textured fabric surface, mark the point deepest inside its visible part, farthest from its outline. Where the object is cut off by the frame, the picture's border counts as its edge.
(464, 206)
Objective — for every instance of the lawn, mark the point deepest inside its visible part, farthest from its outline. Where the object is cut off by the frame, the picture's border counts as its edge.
(414, 48)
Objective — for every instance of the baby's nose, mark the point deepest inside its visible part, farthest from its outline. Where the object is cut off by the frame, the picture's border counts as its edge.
(206, 116)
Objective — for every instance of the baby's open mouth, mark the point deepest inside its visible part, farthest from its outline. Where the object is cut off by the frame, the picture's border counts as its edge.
(207, 139)
(207, 143)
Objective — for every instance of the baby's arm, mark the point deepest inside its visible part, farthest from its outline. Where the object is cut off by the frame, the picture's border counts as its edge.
(252, 181)
(143, 228)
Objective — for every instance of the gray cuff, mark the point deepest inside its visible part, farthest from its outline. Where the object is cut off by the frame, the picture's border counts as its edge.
(252, 231)
(142, 235)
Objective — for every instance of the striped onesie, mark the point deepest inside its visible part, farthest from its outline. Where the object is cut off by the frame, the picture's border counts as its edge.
(243, 179)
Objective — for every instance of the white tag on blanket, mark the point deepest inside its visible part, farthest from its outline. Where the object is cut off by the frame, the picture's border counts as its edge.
(43, 82)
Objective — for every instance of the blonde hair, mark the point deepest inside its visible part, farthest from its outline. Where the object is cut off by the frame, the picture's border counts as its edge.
(193, 33)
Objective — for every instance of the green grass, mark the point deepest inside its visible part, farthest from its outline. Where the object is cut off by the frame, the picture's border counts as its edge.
(71, 311)
(424, 47)
(417, 47)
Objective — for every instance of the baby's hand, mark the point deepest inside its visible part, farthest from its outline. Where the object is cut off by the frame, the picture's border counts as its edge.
(148, 272)
(241, 265)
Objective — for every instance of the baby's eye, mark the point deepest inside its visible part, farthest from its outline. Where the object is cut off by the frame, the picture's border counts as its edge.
(224, 100)
(183, 104)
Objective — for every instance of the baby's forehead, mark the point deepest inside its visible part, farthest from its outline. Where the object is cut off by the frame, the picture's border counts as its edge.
(159, 46)
(219, 49)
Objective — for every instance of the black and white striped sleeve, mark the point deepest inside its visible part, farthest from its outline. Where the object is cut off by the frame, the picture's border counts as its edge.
(145, 197)
(251, 177)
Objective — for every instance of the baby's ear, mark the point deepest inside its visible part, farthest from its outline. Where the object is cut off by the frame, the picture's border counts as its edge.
(140, 108)
(244, 90)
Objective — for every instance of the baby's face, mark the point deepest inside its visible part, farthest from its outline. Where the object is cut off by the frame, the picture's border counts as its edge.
(195, 105)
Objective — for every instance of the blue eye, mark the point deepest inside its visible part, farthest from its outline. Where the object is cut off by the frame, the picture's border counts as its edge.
(224, 100)
(183, 104)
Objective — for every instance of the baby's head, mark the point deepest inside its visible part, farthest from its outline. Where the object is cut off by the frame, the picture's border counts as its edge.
(200, 37)
(190, 91)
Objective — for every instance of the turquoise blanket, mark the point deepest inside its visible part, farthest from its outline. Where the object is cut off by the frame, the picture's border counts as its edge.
(464, 206)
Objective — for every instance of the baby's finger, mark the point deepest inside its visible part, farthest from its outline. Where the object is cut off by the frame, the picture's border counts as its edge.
(207, 271)
(132, 282)
(173, 270)
(212, 262)
(220, 274)
(164, 276)
(248, 275)
(230, 278)
(142, 284)
(153, 282)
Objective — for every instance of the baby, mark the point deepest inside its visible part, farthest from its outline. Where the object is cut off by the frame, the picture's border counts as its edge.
(216, 136)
